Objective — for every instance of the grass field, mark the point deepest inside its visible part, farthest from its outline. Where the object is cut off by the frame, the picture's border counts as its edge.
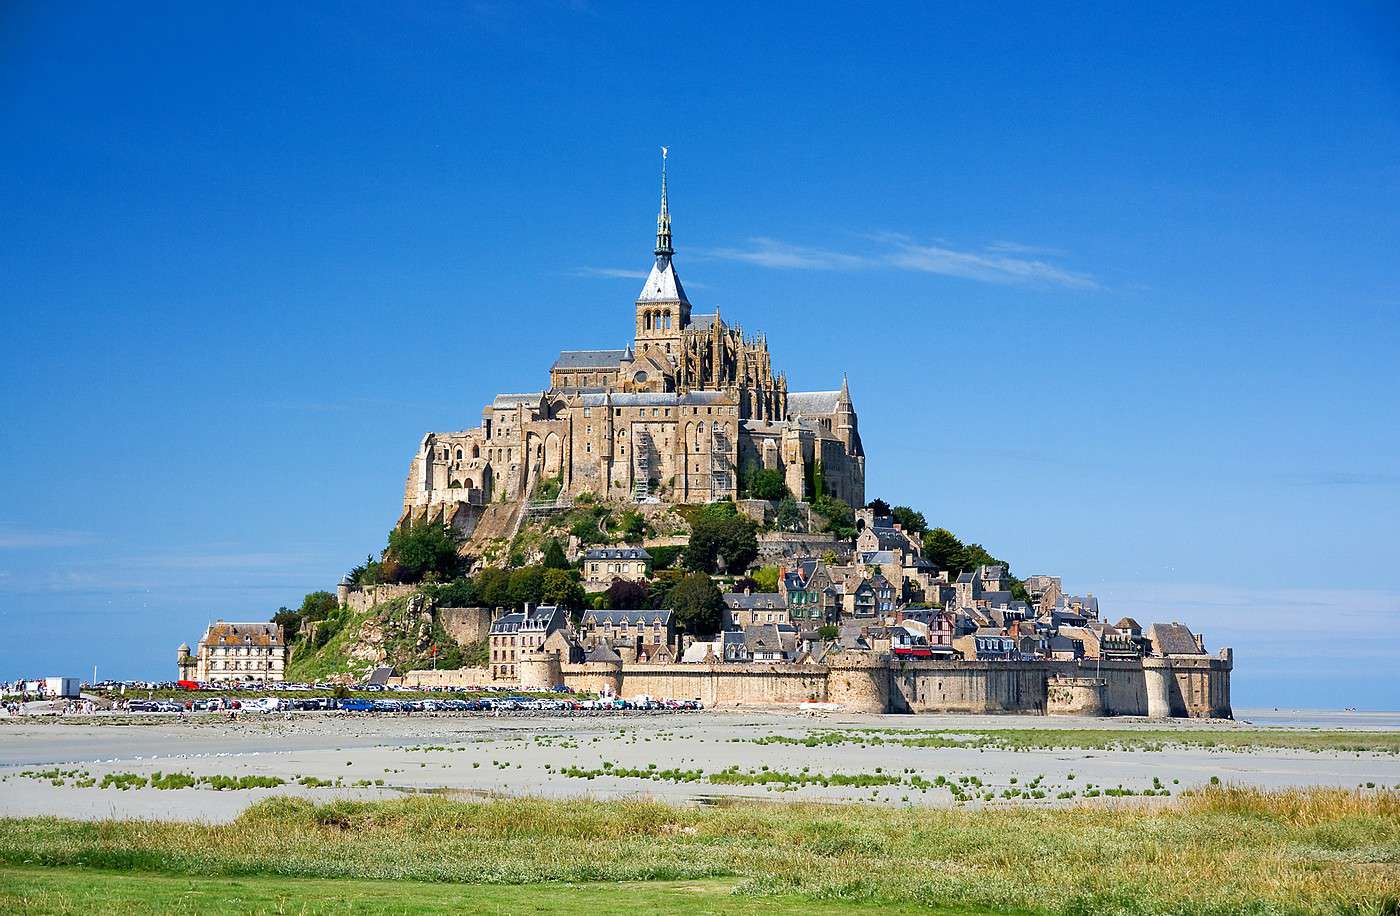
(1222, 851)
(1379, 742)
(26, 891)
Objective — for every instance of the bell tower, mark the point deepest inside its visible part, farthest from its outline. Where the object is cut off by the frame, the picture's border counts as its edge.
(663, 310)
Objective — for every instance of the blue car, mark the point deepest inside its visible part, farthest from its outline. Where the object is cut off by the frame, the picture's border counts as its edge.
(356, 705)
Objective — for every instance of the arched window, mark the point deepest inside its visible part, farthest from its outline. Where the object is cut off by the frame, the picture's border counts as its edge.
(459, 454)
(646, 321)
(668, 321)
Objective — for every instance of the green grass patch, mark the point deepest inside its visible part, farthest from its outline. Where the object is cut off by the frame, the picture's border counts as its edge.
(63, 891)
(1223, 850)
(1025, 739)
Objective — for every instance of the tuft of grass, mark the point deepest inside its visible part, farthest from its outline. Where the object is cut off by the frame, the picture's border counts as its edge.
(1221, 850)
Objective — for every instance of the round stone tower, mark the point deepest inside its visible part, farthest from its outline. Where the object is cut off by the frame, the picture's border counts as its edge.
(1074, 696)
(859, 681)
(540, 670)
(1158, 674)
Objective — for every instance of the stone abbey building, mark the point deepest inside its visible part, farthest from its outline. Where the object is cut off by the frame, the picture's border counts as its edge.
(674, 415)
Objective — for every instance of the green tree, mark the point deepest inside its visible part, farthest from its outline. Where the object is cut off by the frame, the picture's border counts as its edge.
(457, 593)
(943, 549)
(828, 632)
(493, 587)
(788, 516)
(975, 555)
(716, 535)
(554, 556)
(365, 573)
(289, 621)
(913, 521)
(560, 587)
(879, 507)
(526, 585)
(698, 605)
(766, 578)
(768, 483)
(425, 552)
(624, 595)
(659, 592)
(840, 520)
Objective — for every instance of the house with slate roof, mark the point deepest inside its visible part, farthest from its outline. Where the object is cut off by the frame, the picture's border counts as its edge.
(601, 565)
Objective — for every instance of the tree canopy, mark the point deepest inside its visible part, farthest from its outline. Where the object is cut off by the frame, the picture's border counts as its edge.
(423, 552)
(625, 595)
(912, 520)
(840, 520)
(720, 532)
(767, 483)
(554, 556)
(698, 605)
(560, 587)
(788, 516)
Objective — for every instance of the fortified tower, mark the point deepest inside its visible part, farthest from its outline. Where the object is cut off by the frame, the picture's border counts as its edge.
(859, 681)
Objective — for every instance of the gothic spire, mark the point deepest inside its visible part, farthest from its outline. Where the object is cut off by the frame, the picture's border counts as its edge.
(663, 219)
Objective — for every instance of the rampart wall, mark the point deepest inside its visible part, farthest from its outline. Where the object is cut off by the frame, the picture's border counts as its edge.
(1195, 686)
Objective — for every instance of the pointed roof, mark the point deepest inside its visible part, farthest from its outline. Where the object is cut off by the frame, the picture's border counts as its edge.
(662, 283)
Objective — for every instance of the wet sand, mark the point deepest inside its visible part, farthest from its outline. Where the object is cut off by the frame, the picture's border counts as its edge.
(522, 755)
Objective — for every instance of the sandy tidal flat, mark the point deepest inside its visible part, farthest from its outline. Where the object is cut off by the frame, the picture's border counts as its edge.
(389, 756)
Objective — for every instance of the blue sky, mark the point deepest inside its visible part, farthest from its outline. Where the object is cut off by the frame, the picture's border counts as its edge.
(1117, 290)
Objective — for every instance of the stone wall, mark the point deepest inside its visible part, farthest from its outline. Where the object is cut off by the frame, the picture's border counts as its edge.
(869, 682)
(363, 597)
(466, 625)
(752, 684)
(459, 678)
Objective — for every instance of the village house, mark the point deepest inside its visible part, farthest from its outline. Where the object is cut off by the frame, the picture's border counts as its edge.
(601, 565)
(747, 609)
(807, 591)
(761, 643)
(645, 633)
(521, 631)
(236, 652)
(987, 644)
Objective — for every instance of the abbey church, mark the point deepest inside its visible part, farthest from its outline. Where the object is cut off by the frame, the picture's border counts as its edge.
(676, 415)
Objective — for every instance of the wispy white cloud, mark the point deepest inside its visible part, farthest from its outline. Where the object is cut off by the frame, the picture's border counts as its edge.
(1000, 262)
(615, 273)
(1018, 248)
(766, 252)
(13, 537)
